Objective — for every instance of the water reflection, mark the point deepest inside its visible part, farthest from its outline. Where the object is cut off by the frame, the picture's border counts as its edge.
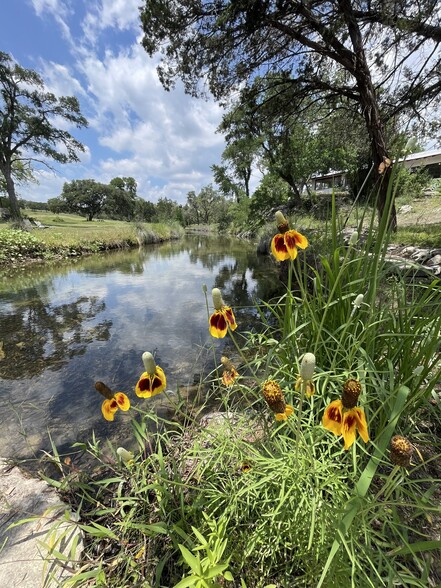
(63, 328)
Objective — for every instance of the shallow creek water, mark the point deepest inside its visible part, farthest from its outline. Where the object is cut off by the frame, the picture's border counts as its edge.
(65, 327)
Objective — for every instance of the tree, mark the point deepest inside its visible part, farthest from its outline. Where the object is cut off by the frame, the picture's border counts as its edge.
(364, 52)
(144, 210)
(166, 210)
(27, 131)
(86, 197)
(57, 205)
(120, 202)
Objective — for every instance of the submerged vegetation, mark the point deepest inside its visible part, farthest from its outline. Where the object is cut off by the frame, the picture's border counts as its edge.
(321, 467)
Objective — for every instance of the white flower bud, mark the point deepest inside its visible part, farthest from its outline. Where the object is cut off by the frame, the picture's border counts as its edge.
(280, 219)
(124, 455)
(149, 363)
(358, 301)
(307, 366)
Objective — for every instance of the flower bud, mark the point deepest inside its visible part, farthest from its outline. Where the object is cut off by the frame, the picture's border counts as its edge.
(104, 390)
(149, 363)
(281, 222)
(358, 301)
(274, 397)
(218, 303)
(124, 455)
(307, 366)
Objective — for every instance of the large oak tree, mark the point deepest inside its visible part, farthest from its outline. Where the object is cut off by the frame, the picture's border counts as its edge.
(28, 118)
(382, 56)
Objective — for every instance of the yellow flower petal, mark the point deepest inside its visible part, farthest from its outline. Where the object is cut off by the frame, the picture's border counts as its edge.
(230, 318)
(362, 424)
(108, 408)
(332, 417)
(290, 243)
(289, 410)
(218, 326)
(278, 248)
(122, 401)
(349, 427)
(151, 385)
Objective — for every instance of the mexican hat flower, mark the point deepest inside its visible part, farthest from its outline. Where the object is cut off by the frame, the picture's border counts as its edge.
(229, 373)
(344, 417)
(152, 381)
(222, 317)
(284, 245)
(272, 392)
(113, 401)
(307, 368)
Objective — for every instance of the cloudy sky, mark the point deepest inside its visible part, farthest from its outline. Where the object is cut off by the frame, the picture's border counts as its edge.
(91, 49)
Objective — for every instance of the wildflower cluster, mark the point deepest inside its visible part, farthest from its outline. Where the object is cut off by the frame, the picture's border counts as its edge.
(150, 383)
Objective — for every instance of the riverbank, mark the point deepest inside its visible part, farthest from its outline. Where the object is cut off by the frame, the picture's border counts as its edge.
(66, 236)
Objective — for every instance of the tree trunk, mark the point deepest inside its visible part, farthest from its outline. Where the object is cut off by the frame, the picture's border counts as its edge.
(371, 113)
(13, 202)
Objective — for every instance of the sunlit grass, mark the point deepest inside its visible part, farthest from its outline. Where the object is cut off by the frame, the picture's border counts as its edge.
(69, 234)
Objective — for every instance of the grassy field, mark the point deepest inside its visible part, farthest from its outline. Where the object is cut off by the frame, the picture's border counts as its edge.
(68, 235)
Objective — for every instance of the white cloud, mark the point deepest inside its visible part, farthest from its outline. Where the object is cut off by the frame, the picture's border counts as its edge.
(119, 14)
(166, 140)
(59, 10)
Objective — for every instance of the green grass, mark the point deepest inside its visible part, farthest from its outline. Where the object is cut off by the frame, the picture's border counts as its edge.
(67, 235)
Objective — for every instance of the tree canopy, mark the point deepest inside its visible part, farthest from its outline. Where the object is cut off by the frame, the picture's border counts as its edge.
(86, 197)
(28, 115)
(382, 57)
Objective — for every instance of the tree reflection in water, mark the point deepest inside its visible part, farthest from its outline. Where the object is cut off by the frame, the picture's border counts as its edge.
(65, 327)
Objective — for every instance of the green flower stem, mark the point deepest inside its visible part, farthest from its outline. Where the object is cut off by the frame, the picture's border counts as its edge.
(299, 414)
(244, 359)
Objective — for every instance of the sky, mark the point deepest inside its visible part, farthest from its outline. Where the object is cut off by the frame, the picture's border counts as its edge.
(92, 49)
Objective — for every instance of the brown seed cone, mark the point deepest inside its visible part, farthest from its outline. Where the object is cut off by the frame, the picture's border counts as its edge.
(350, 394)
(273, 395)
(283, 227)
(104, 390)
(401, 451)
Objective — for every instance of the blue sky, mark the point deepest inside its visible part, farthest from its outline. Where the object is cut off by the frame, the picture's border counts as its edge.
(91, 49)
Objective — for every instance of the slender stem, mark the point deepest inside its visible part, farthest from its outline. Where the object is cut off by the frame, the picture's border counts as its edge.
(299, 414)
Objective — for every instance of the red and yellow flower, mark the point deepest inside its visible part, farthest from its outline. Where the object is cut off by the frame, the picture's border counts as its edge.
(272, 392)
(284, 245)
(344, 417)
(113, 401)
(222, 317)
(153, 380)
(230, 373)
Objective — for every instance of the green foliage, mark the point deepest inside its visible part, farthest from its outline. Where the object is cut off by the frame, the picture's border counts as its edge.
(86, 197)
(205, 570)
(410, 185)
(15, 244)
(271, 192)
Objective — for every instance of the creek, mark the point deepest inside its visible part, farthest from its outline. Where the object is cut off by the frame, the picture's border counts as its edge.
(63, 327)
